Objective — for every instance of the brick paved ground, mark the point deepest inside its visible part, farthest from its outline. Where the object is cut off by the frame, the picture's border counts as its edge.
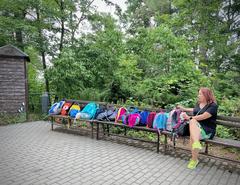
(32, 154)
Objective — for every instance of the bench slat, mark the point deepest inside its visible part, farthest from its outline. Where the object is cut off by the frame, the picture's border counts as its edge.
(126, 126)
(229, 124)
(228, 118)
(86, 102)
(59, 116)
(225, 142)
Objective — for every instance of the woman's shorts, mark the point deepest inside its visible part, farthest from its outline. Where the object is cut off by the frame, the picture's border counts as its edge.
(204, 134)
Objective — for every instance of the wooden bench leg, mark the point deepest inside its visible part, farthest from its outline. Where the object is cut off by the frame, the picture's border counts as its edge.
(158, 141)
(97, 131)
(108, 130)
(69, 123)
(103, 129)
(92, 128)
(165, 143)
(52, 123)
(174, 141)
(206, 148)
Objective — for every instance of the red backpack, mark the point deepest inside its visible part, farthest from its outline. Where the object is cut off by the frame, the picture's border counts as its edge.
(66, 108)
(150, 119)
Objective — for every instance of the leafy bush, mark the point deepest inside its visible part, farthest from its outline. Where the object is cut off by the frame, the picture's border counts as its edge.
(12, 119)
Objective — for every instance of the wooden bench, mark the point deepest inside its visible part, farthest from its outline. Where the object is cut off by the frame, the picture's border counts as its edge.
(232, 122)
(109, 124)
(221, 120)
(69, 120)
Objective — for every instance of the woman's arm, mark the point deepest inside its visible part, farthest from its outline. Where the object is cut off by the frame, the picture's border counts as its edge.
(201, 117)
(184, 109)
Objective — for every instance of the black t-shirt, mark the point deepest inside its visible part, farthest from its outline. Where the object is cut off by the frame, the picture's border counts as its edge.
(209, 125)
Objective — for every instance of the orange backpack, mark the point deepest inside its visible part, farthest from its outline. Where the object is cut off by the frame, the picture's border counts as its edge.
(66, 108)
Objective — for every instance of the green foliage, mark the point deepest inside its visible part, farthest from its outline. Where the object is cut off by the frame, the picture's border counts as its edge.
(225, 84)
(35, 80)
(223, 132)
(166, 51)
(230, 107)
(68, 75)
(142, 135)
(12, 119)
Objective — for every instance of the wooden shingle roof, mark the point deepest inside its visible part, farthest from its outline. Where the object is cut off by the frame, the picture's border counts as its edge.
(10, 51)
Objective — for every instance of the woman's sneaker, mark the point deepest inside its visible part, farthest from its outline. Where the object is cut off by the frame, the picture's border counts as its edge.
(192, 164)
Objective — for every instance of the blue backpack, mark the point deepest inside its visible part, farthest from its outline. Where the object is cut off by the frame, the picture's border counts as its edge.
(160, 121)
(132, 110)
(74, 110)
(56, 108)
(143, 118)
(90, 109)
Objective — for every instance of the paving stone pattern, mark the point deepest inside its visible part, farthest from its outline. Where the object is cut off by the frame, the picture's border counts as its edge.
(30, 153)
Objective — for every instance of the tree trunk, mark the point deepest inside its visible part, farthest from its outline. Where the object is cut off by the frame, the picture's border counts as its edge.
(62, 26)
(42, 50)
(18, 32)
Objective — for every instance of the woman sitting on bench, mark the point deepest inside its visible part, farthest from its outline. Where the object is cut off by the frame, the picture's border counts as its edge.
(203, 122)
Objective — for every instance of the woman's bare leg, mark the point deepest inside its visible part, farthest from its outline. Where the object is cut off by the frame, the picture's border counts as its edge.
(194, 137)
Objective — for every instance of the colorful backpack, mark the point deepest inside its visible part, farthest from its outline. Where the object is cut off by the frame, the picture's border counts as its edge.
(74, 110)
(120, 113)
(105, 115)
(133, 119)
(143, 118)
(100, 110)
(56, 108)
(125, 118)
(150, 119)
(174, 119)
(130, 110)
(89, 111)
(113, 116)
(160, 121)
(66, 108)
(82, 115)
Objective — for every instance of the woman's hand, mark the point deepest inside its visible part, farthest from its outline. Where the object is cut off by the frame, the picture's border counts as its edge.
(180, 107)
(185, 116)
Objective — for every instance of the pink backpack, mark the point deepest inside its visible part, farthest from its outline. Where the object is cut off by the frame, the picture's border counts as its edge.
(122, 111)
(134, 119)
